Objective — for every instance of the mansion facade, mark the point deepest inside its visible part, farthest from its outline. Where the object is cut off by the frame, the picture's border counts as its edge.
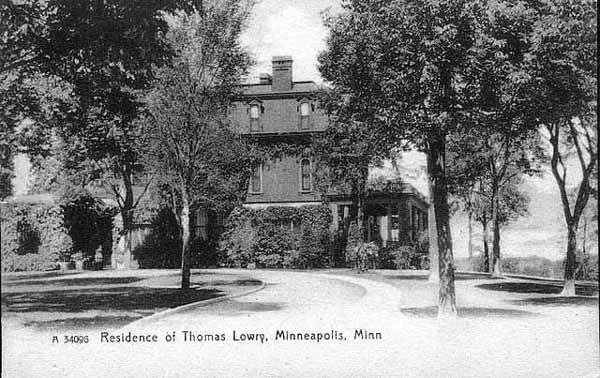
(279, 110)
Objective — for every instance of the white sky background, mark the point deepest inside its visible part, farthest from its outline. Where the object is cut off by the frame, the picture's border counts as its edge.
(286, 27)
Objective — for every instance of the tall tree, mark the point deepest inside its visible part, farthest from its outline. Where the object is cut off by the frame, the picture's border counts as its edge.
(411, 54)
(563, 56)
(346, 151)
(20, 24)
(105, 51)
(188, 137)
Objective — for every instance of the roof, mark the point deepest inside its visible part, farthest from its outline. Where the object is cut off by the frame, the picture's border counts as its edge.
(387, 187)
(266, 89)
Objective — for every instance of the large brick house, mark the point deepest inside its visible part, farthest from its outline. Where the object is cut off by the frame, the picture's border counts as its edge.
(279, 110)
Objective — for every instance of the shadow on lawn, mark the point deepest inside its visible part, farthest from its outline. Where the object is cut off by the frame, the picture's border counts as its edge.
(424, 277)
(536, 288)
(120, 298)
(560, 301)
(237, 308)
(31, 277)
(81, 323)
(468, 312)
(90, 281)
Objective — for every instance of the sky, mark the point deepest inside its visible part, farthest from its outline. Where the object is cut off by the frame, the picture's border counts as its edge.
(285, 27)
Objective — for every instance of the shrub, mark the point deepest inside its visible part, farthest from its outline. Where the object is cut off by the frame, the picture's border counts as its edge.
(531, 266)
(33, 237)
(89, 223)
(161, 248)
(265, 237)
(587, 267)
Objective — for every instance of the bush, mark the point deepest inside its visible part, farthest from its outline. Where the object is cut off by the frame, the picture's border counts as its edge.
(531, 266)
(33, 237)
(265, 237)
(89, 223)
(161, 248)
(587, 267)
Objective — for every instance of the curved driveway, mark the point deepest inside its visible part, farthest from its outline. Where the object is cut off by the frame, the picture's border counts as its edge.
(337, 306)
(289, 298)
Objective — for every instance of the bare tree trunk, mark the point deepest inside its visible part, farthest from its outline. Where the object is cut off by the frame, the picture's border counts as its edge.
(447, 297)
(434, 266)
(497, 270)
(583, 194)
(470, 226)
(571, 261)
(185, 242)
(126, 209)
(486, 246)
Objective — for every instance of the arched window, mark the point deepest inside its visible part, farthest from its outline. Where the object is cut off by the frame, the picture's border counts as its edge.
(305, 176)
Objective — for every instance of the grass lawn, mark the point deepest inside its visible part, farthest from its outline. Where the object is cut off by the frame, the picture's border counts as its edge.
(106, 299)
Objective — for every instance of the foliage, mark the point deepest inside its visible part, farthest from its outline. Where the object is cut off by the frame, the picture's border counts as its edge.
(587, 268)
(89, 224)
(33, 237)
(265, 237)
(161, 248)
(564, 60)
(359, 254)
(412, 256)
(533, 266)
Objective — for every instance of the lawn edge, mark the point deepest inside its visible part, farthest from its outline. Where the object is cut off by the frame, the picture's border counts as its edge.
(171, 311)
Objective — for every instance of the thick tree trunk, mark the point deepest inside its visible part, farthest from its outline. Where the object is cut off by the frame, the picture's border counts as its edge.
(486, 246)
(571, 261)
(185, 242)
(447, 297)
(434, 266)
(127, 218)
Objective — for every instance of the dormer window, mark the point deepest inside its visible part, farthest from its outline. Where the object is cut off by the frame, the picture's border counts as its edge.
(305, 176)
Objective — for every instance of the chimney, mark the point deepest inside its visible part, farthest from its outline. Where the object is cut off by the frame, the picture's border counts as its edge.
(282, 73)
(265, 78)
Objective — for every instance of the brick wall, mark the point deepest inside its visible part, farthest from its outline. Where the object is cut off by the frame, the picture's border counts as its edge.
(281, 183)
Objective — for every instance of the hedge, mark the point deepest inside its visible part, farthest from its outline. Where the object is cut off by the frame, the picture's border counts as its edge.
(277, 237)
(33, 237)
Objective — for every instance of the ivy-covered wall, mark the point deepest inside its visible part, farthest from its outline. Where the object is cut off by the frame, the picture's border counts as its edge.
(34, 237)
(278, 237)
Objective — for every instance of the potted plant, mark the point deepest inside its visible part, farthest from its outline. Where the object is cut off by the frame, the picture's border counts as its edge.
(78, 259)
(65, 261)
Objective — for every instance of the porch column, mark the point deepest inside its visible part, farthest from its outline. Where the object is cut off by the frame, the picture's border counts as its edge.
(389, 224)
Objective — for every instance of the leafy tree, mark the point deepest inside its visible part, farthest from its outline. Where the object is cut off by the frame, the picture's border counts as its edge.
(406, 84)
(346, 150)
(563, 57)
(188, 139)
(486, 170)
(21, 24)
(104, 52)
